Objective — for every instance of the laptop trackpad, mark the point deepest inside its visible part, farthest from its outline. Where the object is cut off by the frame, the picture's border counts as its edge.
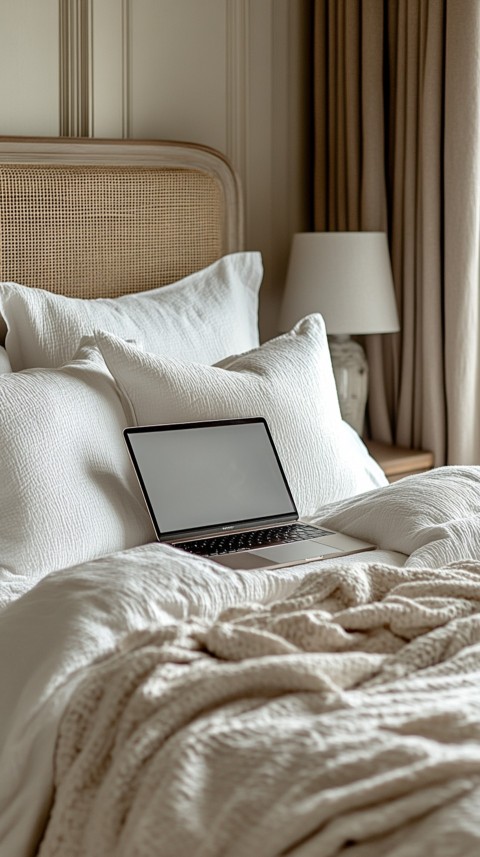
(280, 555)
(243, 560)
(295, 551)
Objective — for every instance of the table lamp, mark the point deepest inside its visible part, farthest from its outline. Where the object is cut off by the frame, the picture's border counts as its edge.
(347, 277)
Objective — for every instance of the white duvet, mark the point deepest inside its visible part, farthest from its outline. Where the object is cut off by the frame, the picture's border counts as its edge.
(53, 633)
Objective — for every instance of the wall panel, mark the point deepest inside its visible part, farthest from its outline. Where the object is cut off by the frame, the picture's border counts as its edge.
(178, 71)
(29, 79)
(110, 91)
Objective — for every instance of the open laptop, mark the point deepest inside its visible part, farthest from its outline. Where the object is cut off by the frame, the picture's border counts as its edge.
(218, 489)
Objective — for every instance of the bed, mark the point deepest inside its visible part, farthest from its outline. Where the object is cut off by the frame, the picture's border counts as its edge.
(155, 703)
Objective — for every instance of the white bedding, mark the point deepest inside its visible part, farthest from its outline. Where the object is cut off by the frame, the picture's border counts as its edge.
(52, 635)
(344, 719)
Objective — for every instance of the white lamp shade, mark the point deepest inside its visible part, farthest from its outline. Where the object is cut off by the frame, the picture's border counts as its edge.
(345, 276)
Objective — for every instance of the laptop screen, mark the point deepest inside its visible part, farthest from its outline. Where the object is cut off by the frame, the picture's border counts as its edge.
(209, 475)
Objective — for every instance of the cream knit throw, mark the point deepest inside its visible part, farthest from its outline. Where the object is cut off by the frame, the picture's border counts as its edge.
(344, 719)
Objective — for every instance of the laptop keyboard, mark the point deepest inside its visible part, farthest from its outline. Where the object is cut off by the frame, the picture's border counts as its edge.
(233, 542)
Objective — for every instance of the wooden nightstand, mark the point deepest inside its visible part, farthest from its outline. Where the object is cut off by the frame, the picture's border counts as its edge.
(397, 461)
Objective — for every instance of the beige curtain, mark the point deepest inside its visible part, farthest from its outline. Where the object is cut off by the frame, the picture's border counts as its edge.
(397, 148)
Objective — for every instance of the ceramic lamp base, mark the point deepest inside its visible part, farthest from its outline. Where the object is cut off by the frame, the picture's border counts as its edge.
(350, 368)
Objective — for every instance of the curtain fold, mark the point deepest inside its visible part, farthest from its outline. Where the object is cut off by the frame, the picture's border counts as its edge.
(397, 149)
(462, 230)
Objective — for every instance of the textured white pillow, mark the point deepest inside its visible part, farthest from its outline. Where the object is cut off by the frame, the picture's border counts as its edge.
(288, 380)
(68, 491)
(4, 361)
(203, 317)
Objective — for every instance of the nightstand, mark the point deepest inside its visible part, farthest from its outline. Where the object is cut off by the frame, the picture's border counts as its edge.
(397, 462)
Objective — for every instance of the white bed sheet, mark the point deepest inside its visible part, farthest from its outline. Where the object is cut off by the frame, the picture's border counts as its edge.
(54, 632)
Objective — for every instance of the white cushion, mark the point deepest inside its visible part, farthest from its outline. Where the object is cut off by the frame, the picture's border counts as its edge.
(203, 317)
(288, 380)
(68, 491)
(4, 361)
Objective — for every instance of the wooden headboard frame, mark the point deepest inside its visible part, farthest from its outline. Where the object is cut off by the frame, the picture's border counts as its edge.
(101, 218)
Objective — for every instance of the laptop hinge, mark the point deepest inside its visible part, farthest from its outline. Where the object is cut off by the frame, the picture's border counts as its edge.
(194, 535)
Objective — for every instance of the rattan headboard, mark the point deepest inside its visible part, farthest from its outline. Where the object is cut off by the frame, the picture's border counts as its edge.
(101, 218)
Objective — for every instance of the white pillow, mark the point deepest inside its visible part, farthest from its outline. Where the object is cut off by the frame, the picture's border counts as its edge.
(356, 450)
(288, 380)
(203, 317)
(68, 491)
(4, 362)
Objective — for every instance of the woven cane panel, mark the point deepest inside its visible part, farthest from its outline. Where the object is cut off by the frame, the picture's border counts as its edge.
(95, 231)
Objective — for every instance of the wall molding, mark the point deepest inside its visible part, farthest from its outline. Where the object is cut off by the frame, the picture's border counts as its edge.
(283, 153)
(76, 68)
(238, 80)
(126, 70)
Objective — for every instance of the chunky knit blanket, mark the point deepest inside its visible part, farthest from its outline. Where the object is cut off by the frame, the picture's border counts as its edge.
(344, 718)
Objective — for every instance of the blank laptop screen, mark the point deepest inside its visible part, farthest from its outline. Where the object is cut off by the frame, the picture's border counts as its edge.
(210, 475)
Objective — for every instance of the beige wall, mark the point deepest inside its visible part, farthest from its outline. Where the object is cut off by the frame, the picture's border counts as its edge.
(232, 74)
